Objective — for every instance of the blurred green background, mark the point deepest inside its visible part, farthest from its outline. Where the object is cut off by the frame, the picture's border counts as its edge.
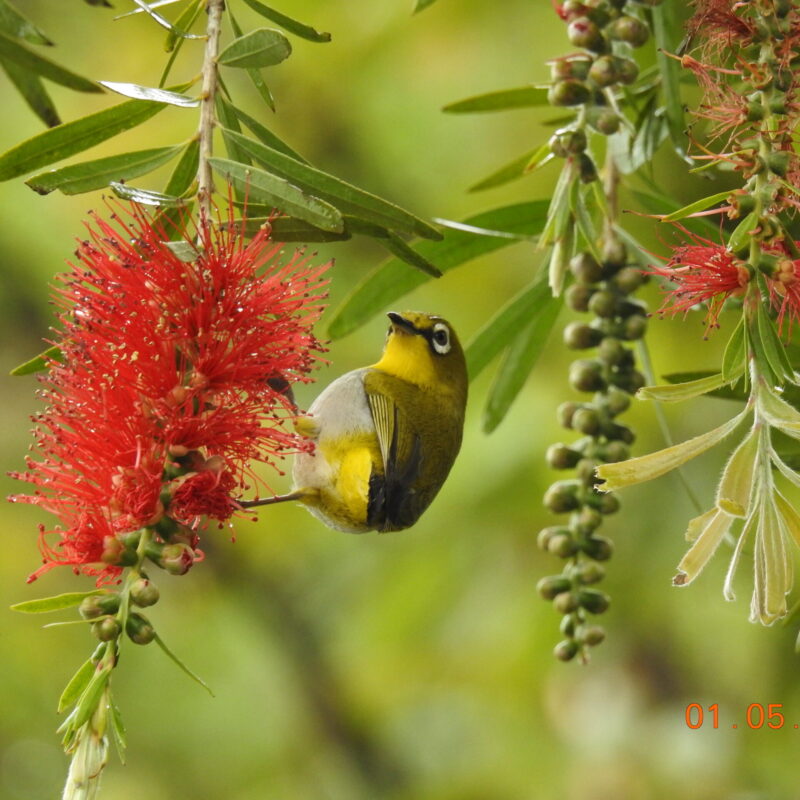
(413, 666)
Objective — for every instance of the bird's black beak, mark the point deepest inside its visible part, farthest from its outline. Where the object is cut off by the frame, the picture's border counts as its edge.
(400, 323)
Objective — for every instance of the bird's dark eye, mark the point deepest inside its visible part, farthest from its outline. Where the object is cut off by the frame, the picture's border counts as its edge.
(440, 338)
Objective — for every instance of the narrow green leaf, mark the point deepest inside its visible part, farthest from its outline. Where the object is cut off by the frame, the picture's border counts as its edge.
(396, 246)
(153, 4)
(558, 213)
(38, 363)
(346, 197)
(263, 134)
(65, 140)
(262, 47)
(422, 4)
(677, 392)
(90, 175)
(145, 197)
(160, 642)
(734, 359)
(513, 170)
(392, 279)
(256, 78)
(670, 71)
(228, 120)
(698, 205)
(736, 484)
(90, 699)
(724, 392)
(55, 603)
(33, 92)
(262, 187)
(138, 92)
(739, 240)
(12, 50)
(182, 24)
(653, 200)
(773, 349)
(77, 684)
(289, 24)
(13, 23)
(164, 22)
(118, 731)
(185, 170)
(500, 330)
(502, 100)
(522, 356)
(184, 251)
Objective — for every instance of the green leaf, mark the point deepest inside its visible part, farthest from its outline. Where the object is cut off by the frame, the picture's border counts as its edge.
(65, 140)
(698, 205)
(262, 47)
(501, 329)
(739, 240)
(145, 197)
(77, 684)
(773, 349)
(502, 100)
(33, 92)
(262, 133)
(12, 50)
(118, 730)
(676, 392)
(522, 355)
(184, 22)
(165, 23)
(391, 280)
(55, 603)
(185, 170)
(262, 187)
(38, 363)
(422, 4)
(395, 245)
(160, 642)
(513, 170)
(90, 175)
(670, 70)
(346, 197)
(289, 24)
(255, 75)
(15, 24)
(138, 92)
(227, 120)
(734, 359)
(183, 251)
(90, 699)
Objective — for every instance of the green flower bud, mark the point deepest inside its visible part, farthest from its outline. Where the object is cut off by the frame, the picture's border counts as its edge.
(568, 92)
(580, 336)
(106, 629)
(578, 296)
(615, 254)
(567, 142)
(617, 432)
(585, 268)
(617, 401)
(566, 650)
(589, 520)
(546, 534)
(552, 586)
(565, 413)
(566, 602)
(612, 351)
(606, 122)
(587, 171)
(559, 456)
(635, 327)
(603, 304)
(604, 71)
(627, 70)
(562, 497)
(586, 420)
(629, 29)
(582, 32)
(598, 547)
(629, 380)
(608, 504)
(614, 452)
(98, 605)
(629, 279)
(589, 572)
(585, 471)
(586, 375)
(144, 593)
(139, 629)
(567, 626)
(593, 601)
(566, 68)
(590, 634)
(562, 545)
(778, 162)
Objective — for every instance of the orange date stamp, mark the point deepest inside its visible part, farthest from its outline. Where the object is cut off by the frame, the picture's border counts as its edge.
(757, 716)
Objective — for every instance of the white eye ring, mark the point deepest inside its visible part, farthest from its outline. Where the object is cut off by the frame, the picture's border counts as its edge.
(440, 338)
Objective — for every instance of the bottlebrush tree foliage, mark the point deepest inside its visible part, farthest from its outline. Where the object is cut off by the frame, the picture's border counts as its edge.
(182, 325)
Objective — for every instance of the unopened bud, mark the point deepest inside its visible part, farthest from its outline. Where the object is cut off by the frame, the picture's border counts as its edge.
(568, 92)
(552, 586)
(593, 601)
(106, 629)
(139, 629)
(566, 650)
(144, 593)
(98, 605)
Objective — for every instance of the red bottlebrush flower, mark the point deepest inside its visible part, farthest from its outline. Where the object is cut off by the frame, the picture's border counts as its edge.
(703, 272)
(161, 358)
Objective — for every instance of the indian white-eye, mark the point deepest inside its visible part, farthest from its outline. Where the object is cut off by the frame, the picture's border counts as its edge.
(386, 435)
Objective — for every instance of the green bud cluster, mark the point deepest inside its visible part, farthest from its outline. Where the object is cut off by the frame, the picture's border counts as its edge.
(586, 79)
(604, 290)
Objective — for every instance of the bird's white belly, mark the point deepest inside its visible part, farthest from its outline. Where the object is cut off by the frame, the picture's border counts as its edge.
(340, 412)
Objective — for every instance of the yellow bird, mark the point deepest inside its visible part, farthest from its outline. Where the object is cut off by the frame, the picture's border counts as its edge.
(386, 435)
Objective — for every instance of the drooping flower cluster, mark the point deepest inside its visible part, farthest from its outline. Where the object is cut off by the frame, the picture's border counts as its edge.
(174, 373)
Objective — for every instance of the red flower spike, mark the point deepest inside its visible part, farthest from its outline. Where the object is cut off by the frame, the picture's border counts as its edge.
(161, 358)
(703, 272)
